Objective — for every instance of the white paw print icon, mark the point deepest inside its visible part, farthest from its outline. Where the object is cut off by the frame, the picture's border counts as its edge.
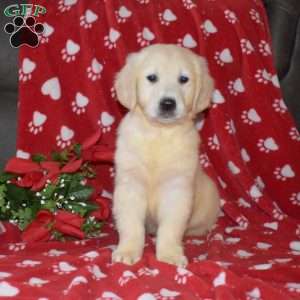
(145, 37)
(217, 98)
(105, 121)
(259, 182)
(279, 106)
(51, 88)
(28, 263)
(208, 28)
(108, 295)
(278, 213)
(255, 16)
(113, 92)
(94, 70)
(54, 253)
(36, 125)
(112, 172)
(28, 66)
(65, 5)
(223, 57)
(65, 137)
(236, 86)
(89, 256)
(264, 48)
(164, 294)
(189, 4)
(222, 183)
(200, 257)
(16, 247)
(242, 222)
(80, 103)
(167, 17)
(243, 254)
(213, 142)
(284, 173)
(220, 279)
(87, 20)
(243, 203)
(295, 198)
(294, 134)
(123, 14)
(234, 169)
(267, 145)
(230, 16)
(254, 294)
(126, 277)
(63, 268)
(262, 76)
(48, 31)
(230, 127)
(96, 272)
(36, 282)
(70, 51)
(293, 287)
(204, 160)
(250, 116)
(143, 1)
(255, 193)
(182, 275)
(110, 40)
(148, 272)
(187, 42)
(245, 155)
(246, 46)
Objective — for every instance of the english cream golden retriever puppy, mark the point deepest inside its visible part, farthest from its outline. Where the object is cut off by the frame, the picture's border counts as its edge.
(159, 185)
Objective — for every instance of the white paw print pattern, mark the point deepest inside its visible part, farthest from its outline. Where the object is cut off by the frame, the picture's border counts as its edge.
(69, 52)
(220, 279)
(253, 294)
(230, 16)
(246, 46)
(96, 272)
(54, 253)
(164, 294)
(94, 70)
(79, 104)
(87, 20)
(201, 257)
(259, 182)
(251, 116)
(245, 155)
(208, 28)
(187, 41)
(89, 256)
(222, 183)
(236, 87)
(255, 16)
(37, 282)
(36, 125)
(234, 169)
(263, 76)
(110, 40)
(108, 295)
(123, 14)
(223, 57)
(293, 287)
(126, 277)
(64, 139)
(295, 198)
(65, 5)
(243, 254)
(167, 17)
(189, 4)
(63, 268)
(113, 92)
(294, 134)
(230, 127)
(51, 88)
(28, 263)
(143, 1)
(105, 122)
(112, 172)
(148, 272)
(217, 98)
(278, 213)
(48, 31)
(279, 106)
(284, 173)
(213, 142)
(145, 37)
(243, 203)
(204, 160)
(28, 66)
(255, 193)
(242, 222)
(182, 275)
(264, 48)
(267, 145)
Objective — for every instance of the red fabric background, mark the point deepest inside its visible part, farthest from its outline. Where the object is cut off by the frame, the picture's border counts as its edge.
(250, 146)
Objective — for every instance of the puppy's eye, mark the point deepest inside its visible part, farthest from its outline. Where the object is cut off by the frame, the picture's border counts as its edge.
(152, 78)
(183, 79)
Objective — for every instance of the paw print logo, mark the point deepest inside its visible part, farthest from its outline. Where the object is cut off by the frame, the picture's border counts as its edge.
(223, 57)
(107, 295)
(204, 160)
(294, 134)
(187, 42)
(255, 16)
(213, 142)
(264, 48)
(259, 182)
(145, 37)
(222, 183)
(63, 140)
(234, 169)
(87, 20)
(230, 127)
(255, 193)
(267, 145)
(36, 282)
(65, 5)
(295, 198)
(230, 16)
(126, 277)
(148, 272)
(293, 287)
(106, 120)
(94, 70)
(110, 40)
(201, 257)
(63, 268)
(243, 203)
(182, 275)
(263, 76)
(48, 31)
(36, 125)
(217, 98)
(165, 294)
(243, 254)
(24, 31)
(246, 46)
(113, 92)
(80, 103)
(112, 172)
(250, 116)
(245, 155)
(54, 253)
(242, 222)
(28, 263)
(236, 87)
(89, 256)
(28, 66)
(208, 28)
(188, 4)
(96, 272)
(167, 17)
(279, 106)
(253, 294)
(278, 213)
(284, 173)
(143, 1)
(69, 52)
(123, 14)
(16, 247)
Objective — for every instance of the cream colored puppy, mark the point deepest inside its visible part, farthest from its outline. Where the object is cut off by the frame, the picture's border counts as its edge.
(159, 185)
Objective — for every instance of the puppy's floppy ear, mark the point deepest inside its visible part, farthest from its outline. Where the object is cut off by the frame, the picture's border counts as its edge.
(125, 83)
(204, 86)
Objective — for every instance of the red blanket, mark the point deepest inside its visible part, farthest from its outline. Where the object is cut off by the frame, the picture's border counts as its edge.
(250, 146)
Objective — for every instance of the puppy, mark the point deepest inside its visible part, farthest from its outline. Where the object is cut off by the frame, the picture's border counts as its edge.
(159, 184)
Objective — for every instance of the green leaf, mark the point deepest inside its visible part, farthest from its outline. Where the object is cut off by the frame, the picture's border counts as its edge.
(18, 195)
(48, 191)
(38, 158)
(61, 157)
(3, 207)
(4, 177)
(77, 150)
(24, 217)
(80, 193)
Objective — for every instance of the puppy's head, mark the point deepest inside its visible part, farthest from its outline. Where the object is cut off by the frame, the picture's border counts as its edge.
(168, 82)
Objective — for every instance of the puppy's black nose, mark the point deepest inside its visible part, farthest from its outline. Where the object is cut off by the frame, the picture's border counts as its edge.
(167, 105)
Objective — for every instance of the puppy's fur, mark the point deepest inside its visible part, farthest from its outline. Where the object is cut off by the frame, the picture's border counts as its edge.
(159, 184)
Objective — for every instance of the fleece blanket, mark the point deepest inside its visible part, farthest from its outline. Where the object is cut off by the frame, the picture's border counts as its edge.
(250, 147)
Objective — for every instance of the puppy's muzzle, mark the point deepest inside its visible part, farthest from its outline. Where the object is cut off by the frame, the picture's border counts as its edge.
(167, 107)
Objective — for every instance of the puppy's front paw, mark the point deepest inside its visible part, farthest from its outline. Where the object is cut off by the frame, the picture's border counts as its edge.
(126, 256)
(174, 257)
